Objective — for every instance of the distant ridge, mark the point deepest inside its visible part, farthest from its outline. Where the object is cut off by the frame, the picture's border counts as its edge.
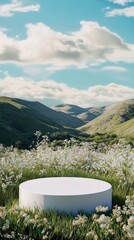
(91, 113)
(71, 109)
(85, 114)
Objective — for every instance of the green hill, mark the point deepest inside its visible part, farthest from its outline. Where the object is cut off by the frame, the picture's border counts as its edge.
(118, 119)
(20, 119)
(62, 118)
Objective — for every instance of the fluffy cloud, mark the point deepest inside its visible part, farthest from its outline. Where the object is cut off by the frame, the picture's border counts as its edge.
(114, 69)
(3, 29)
(128, 12)
(93, 96)
(92, 44)
(121, 2)
(8, 10)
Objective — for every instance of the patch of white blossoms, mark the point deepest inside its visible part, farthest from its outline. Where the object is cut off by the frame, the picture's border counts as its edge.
(109, 160)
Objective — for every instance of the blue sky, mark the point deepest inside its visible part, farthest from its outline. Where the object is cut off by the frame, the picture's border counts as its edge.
(67, 51)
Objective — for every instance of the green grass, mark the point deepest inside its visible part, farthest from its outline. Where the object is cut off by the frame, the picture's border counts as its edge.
(60, 225)
(19, 224)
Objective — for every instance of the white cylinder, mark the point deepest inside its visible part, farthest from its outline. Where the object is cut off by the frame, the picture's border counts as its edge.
(65, 194)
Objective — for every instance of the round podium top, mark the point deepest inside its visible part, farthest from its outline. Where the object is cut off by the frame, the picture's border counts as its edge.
(65, 186)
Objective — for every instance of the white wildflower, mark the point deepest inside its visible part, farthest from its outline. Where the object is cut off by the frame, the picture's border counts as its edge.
(131, 221)
(80, 220)
(92, 235)
(129, 231)
(104, 221)
(101, 209)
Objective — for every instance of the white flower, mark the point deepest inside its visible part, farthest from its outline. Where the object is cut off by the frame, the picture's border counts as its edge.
(104, 221)
(6, 225)
(80, 220)
(129, 231)
(119, 219)
(92, 235)
(101, 209)
(2, 212)
(131, 221)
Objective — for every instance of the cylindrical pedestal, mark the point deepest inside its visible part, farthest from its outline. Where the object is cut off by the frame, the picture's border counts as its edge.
(65, 194)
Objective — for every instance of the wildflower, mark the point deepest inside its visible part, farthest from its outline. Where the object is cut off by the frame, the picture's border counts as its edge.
(38, 134)
(32, 220)
(24, 215)
(4, 186)
(95, 216)
(2, 212)
(27, 220)
(8, 236)
(119, 219)
(80, 220)
(131, 221)
(129, 231)
(45, 237)
(101, 209)
(46, 138)
(14, 210)
(92, 235)
(6, 225)
(111, 231)
(45, 221)
(104, 221)
(130, 202)
(37, 216)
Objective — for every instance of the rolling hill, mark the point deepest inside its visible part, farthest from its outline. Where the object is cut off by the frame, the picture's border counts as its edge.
(70, 109)
(61, 118)
(117, 118)
(19, 120)
(91, 113)
(85, 114)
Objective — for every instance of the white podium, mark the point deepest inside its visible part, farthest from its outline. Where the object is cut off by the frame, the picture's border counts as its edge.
(65, 194)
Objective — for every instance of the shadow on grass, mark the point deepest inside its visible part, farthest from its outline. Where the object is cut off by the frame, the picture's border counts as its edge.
(118, 200)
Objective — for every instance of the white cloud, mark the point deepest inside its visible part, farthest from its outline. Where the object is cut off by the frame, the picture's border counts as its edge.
(2, 29)
(114, 68)
(128, 12)
(92, 44)
(121, 2)
(93, 96)
(9, 9)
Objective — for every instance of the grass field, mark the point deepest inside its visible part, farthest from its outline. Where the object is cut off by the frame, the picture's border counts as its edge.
(111, 163)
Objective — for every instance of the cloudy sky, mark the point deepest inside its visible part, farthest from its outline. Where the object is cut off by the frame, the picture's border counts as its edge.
(67, 51)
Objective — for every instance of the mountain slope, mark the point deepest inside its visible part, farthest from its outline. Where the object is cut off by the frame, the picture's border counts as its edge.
(118, 118)
(91, 114)
(62, 118)
(20, 119)
(70, 109)
(85, 114)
